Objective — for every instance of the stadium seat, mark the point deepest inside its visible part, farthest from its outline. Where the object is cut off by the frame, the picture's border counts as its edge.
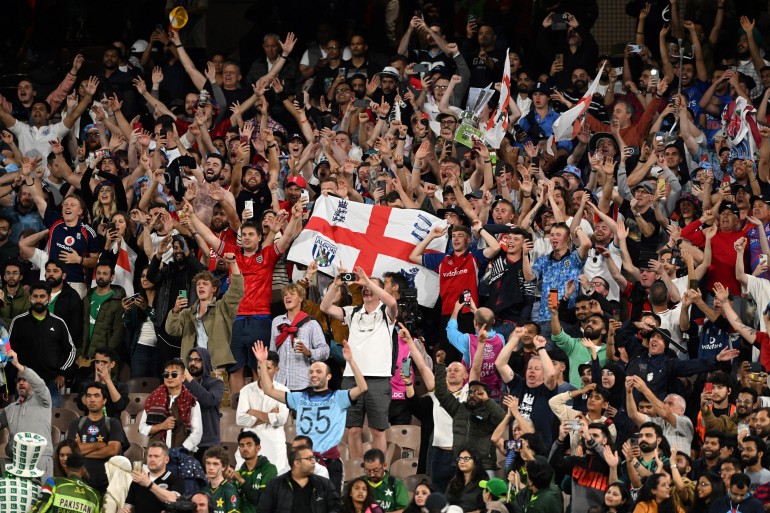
(404, 468)
(134, 436)
(70, 401)
(407, 436)
(136, 404)
(55, 435)
(352, 468)
(142, 385)
(231, 448)
(63, 417)
(412, 481)
(135, 452)
(229, 431)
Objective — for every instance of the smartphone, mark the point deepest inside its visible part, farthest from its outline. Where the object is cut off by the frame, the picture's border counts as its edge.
(619, 71)
(406, 366)
(111, 227)
(133, 298)
(137, 126)
(536, 161)
(755, 376)
(635, 49)
(465, 297)
(249, 204)
(634, 440)
(574, 424)
(381, 184)
(348, 277)
(421, 68)
(560, 57)
(362, 104)
(553, 297)
(183, 293)
(653, 73)
(708, 387)
(661, 184)
(342, 71)
(763, 258)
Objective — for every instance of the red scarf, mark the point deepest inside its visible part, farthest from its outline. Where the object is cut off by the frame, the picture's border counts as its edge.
(289, 329)
(158, 403)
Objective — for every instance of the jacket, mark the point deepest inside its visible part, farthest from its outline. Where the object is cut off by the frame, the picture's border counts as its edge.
(69, 306)
(218, 323)
(133, 321)
(169, 280)
(278, 496)
(546, 500)
(724, 423)
(13, 306)
(208, 390)
(44, 346)
(108, 328)
(470, 427)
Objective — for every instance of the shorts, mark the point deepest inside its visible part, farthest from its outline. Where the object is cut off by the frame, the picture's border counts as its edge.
(399, 412)
(375, 404)
(248, 329)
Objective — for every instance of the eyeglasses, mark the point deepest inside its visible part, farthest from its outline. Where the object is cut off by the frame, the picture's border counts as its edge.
(704, 484)
(464, 458)
(309, 458)
(448, 122)
(726, 470)
(370, 471)
(167, 375)
(441, 88)
(596, 283)
(194, 360)
(19, 380)
(338, 91)
(332, 47)
(744, 401)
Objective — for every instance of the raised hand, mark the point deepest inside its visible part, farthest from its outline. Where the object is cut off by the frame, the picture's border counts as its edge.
(260, 351)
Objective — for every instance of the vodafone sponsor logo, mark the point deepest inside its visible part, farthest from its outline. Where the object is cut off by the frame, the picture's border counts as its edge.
(69, 240)
(452, 274)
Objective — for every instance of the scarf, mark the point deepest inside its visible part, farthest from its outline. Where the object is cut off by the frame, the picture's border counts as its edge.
(331, 454)
(290, 329)
(158, 403)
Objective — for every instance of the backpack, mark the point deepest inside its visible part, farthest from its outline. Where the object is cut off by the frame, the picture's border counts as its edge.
(394, 336)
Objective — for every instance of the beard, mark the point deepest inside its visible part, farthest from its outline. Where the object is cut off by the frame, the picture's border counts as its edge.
(748, 462)
(743, 55)
(54, 282)
(214, 178)
(579, 84)
(4, 236)
(646, 447)
(101, 283)
(39, 307)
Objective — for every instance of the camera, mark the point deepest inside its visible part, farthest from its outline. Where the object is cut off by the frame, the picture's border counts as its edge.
(409, 309)
(182, 505)
(559, 21)
(348, 277)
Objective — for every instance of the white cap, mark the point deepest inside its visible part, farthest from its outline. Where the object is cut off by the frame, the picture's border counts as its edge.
(139, 46)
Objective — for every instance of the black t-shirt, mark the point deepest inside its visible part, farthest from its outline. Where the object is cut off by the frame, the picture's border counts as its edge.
(261, 197)
(145, 501)
(96, 431)
(303, 496)
(509, 290)
(533, 405)
(636, 241)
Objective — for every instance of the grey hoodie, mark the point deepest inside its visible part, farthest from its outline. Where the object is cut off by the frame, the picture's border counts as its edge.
(209, 391)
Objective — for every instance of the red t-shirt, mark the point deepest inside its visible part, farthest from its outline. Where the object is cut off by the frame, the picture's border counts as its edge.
(230, 238)
(763, 339)
(257, 272)
(456, 274)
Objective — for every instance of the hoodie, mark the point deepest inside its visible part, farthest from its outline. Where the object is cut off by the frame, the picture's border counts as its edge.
(208, 391)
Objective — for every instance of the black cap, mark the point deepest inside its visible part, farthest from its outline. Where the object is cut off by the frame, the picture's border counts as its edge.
(582, 367)
(452, 209)
(542, 87)
(732, 207)
(759, 198)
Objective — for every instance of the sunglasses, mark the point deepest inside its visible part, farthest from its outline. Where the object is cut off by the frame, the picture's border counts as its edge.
(194, 360)
(167, 375)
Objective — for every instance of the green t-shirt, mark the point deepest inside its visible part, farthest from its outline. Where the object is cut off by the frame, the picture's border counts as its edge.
(390, 493)
(67, 495)
(256, 480)
(225, 498)
(96, 303)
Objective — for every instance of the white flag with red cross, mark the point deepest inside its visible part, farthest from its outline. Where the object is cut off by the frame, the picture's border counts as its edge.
(569, 123)
(379, 239)
(497, 124)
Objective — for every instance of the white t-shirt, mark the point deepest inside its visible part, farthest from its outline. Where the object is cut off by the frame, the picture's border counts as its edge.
(33, 138)
(596, 266)
(371, 341)
(442, 421)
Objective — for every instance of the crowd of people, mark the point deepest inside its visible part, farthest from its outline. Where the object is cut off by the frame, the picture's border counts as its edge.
(599, 340)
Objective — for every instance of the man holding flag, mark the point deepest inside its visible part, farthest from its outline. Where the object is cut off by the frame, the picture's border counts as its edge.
(498, 122)
(541, 122)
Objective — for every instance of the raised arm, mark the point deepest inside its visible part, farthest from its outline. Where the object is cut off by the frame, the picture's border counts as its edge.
(265, 381)
(501, 362)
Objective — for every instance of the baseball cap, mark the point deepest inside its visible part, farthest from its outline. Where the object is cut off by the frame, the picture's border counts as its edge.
(732, 207)
(737, 187)
(647, 186)
(139, 46)
(495, 486)
(542, 87)
(296, 137)
(296, 180)
(573, 170)
(761, 197)
(475, 193)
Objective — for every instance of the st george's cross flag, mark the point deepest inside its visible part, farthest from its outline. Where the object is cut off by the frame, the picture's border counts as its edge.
(379, 239)
(498, 124)
(569, 123)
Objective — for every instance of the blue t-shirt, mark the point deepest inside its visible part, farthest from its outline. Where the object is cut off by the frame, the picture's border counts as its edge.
(755, 250)
(81, 237)
(555, 275)
(694, 93)
(320, 416)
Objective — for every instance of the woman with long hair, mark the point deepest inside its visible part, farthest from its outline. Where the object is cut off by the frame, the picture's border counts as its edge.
(121, 251)
(655, 496)
(138, 319)
(421, 493)
(617, 499)
(64, 450)
(709, 488)
(464, 489)
(357, 497)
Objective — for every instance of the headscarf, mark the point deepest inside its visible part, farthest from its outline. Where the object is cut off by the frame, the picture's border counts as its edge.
(118, 470)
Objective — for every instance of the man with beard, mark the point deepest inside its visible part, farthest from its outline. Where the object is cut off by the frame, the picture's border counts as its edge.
(31, 413)
(318, 400)
(265, 416)
(15, 298)
(210, 192)
(208, 390)
(432, 40)
(645, 462)
(749, 54)
(596, 266)
(359, 63)
(169, 279)
(8, 248)
(23, 215)
(537, 387)
(669, 414)
(719, 401)
(594, 470)
(274, 53)
(511, 271)
(753, 449)
(38, 134)
(714, 100)
(222, 227)
(594, 329)
(248, 182)
(632, 134)
(327, 72)
(580, 79)
(65, 301)
(484, 59)
(728, 424)
(713, 441)
(43, 341)
(102, 316)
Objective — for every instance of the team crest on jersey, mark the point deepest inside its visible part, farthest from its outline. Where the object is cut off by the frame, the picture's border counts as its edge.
(567, 264)
(69, 240)
(233, 499)
(93, 430)
(259, 259)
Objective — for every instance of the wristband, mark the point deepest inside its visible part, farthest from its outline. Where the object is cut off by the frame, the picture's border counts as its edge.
(382, 117)
(541, 348)
(284, 57)
(178, 46)
(487, 161)
(525, 196)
